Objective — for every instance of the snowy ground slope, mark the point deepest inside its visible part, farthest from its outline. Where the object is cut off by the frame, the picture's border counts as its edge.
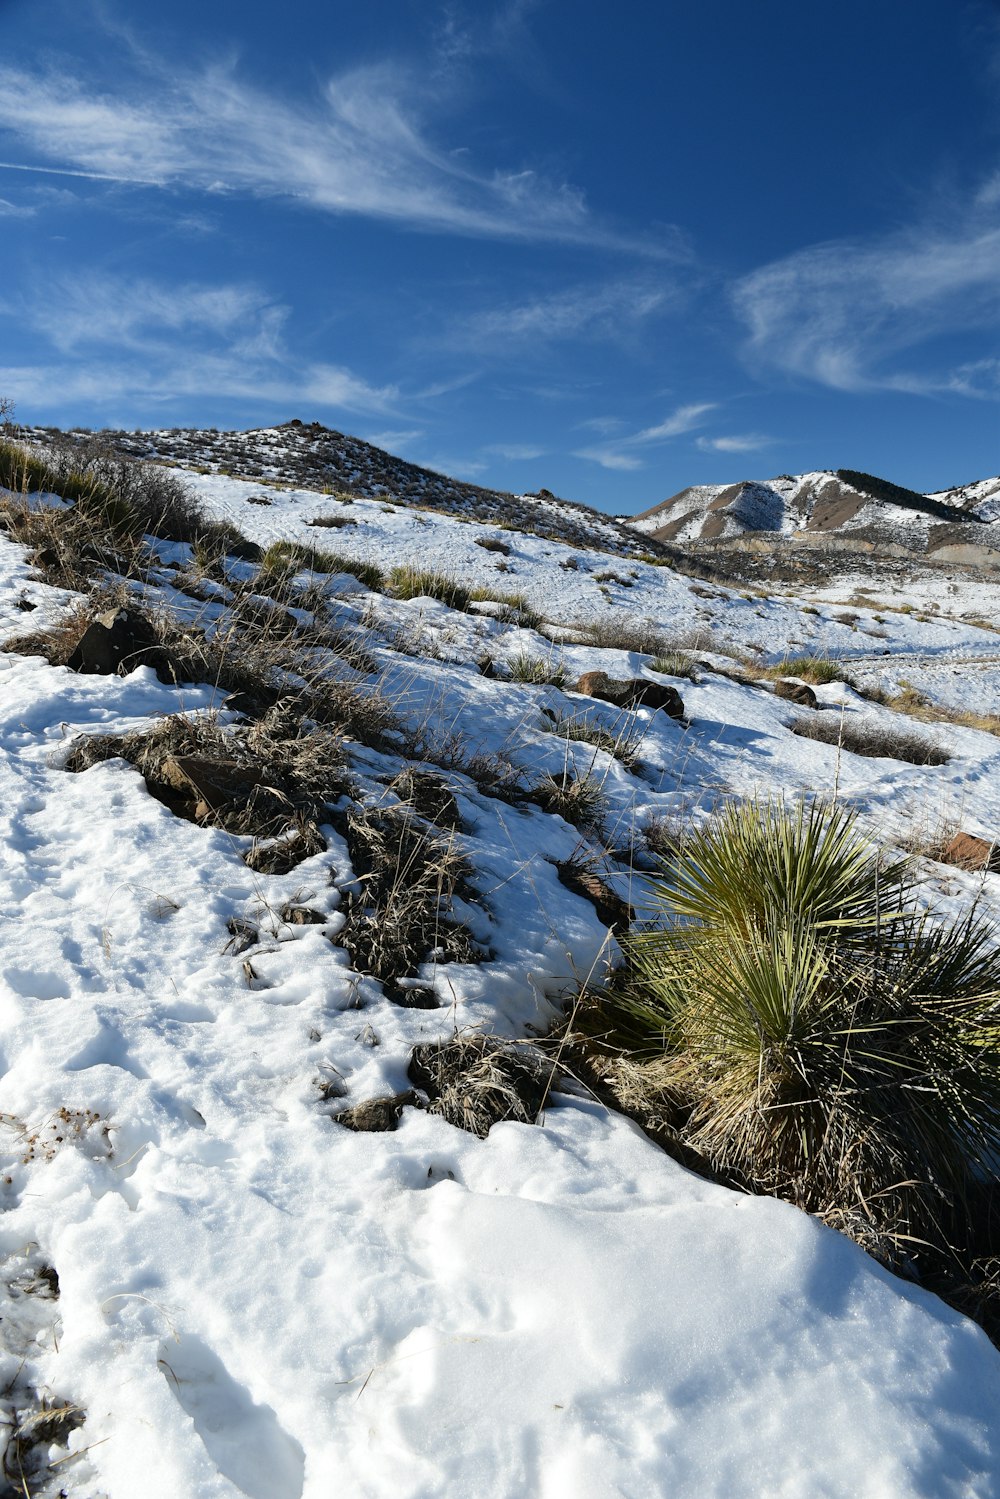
(594, 586)
(254, 1301)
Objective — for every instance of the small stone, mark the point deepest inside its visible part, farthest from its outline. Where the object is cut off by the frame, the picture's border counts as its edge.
(794, 691)
(377, 1115)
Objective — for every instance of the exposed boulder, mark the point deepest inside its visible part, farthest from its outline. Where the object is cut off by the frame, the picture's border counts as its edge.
(211, 783)
(631, 692)
(969, 852)
(794, 691)
(114, 644)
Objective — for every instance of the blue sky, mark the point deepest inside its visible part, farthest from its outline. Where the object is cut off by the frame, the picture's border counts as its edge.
(611, 250)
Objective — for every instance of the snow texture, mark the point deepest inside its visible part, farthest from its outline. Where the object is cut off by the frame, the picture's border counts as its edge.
(254, 1301)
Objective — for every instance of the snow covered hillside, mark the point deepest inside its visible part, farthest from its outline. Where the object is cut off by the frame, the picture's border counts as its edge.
(247, 1249)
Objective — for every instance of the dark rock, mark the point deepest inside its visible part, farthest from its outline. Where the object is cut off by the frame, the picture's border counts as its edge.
(631, 692)
(969, 852)
(377, 1115)
(411, 996)
(302, 916)
(614, 912)
(795, 692)
(115, 643)
(210, 782)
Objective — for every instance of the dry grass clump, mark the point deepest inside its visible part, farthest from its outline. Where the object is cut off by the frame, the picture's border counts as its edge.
(815, 669)
(273, 780)
(644, 638)
(429, 796)
(877, 741)
(409, 582)
(675, 664)
(476, 1081)
(400, 914)
(622, 738)
(579, 799)
(283, 559)
(515, 608)
(915, 705)
(39, 1423)
(523, 667)
(811, 1034)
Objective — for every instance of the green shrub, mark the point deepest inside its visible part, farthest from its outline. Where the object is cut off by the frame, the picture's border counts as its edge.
(819, 1037)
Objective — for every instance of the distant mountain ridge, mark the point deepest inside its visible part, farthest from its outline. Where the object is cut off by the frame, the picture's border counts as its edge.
(843, 501)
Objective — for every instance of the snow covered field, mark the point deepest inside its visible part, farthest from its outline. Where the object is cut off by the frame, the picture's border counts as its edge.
(253, 1300)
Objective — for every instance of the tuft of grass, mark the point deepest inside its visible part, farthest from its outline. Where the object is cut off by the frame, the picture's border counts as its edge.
(399, 913)
(579, 799)
(516, 609)
(409, 582)
(876, 741)
(622, 739)
(675, 664)
(523, 667)
(816, 669)
(811, 1032)
(476, 1081)
(284, 558)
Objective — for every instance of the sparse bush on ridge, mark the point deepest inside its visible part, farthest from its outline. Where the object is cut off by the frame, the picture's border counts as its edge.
(113, 493)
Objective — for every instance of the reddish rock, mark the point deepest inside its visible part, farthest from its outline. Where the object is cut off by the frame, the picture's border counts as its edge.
(631, 693)
(969, 852)
(795, 692)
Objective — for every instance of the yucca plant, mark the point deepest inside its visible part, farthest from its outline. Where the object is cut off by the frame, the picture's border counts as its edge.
(820, 1038)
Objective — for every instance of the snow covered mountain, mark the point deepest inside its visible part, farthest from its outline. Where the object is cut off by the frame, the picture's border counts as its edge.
(822, 504)
(313, 457)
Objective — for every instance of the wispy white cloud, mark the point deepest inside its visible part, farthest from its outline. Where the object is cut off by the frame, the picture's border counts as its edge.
(858, 316)
(684, 419)
(120, 344)
(618, 454)
(363, 147)
(611, 458)
(9, 210)
(610, 311)
(394, 441)
(747, 442)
